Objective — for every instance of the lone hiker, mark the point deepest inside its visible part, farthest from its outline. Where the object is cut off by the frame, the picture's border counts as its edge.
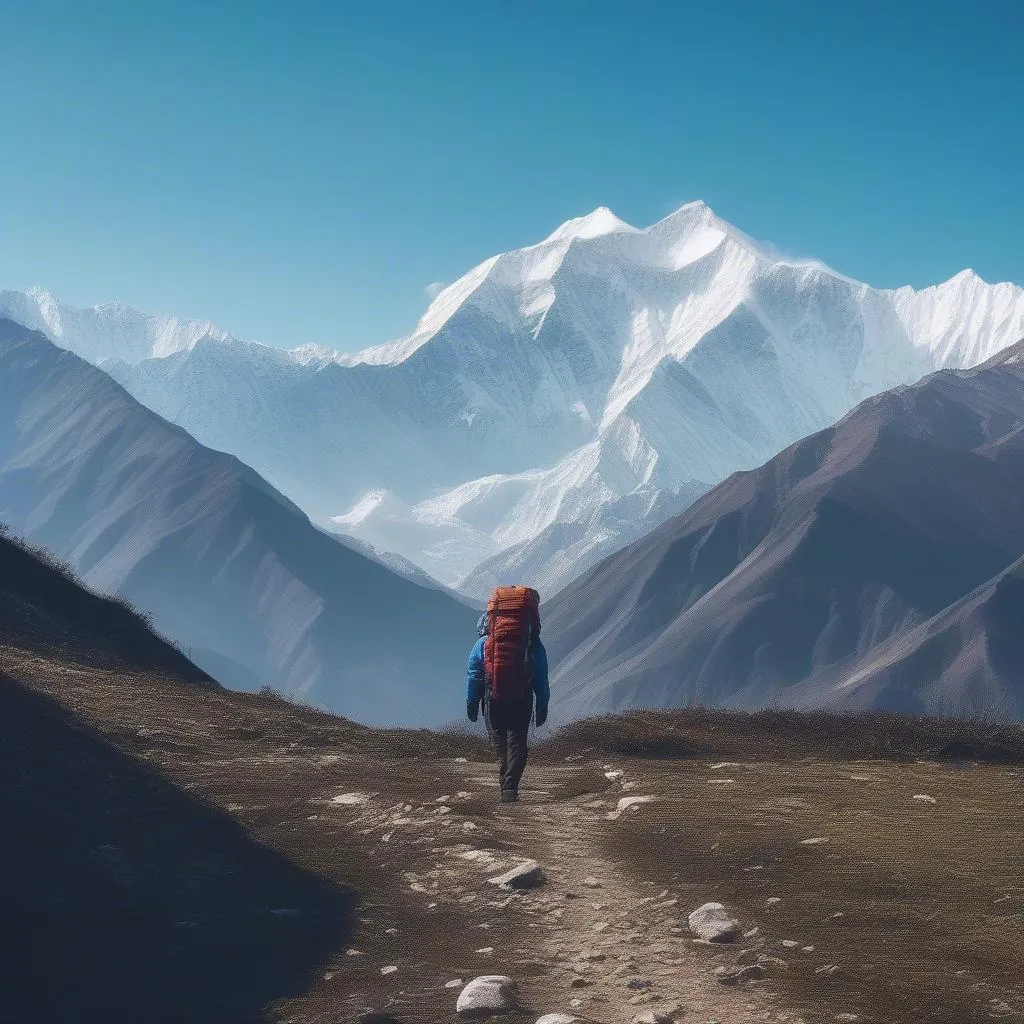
(507, 668)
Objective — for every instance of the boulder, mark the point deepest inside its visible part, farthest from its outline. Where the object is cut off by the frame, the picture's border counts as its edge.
(712, 923)
(486, 995)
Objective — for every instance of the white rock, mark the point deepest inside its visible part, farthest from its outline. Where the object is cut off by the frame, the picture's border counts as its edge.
(616, 774)
(592, 882)
(653, 1017)
(726, 764)
(527, 875)
(351, 799)
(816, 841)
(628, 803)
(454, 983)
(488, 994)
(388, 970)
(557, 1018)
(924, 798)
(712, 923)
(789, 943)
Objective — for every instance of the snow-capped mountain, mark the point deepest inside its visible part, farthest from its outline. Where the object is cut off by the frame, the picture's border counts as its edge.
(557, 401)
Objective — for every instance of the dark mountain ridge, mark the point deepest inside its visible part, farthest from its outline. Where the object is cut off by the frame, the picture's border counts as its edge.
(782, 584)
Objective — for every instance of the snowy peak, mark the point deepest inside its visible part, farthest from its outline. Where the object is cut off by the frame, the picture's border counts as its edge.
(600, 222)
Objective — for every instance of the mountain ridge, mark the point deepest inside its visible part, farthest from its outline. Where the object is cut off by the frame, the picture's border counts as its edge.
(225, 565)
(849, 548)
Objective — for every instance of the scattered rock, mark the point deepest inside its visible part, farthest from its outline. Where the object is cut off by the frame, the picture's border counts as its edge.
(789, 943)
(575, 1003)
(388, 970)
(454, 983)
(354, 952)
(720, 782)
(527, 875)
(557, 1018)
(591, 881)
(712, 923)
(627, 803)
(578, 982)
(351, 799)
(732, 975)
(924, 798)
(488, 994)
(638, 983)
(485, 950)
(816, 841)
(772, 900)
(726, 764)
(653, 1017)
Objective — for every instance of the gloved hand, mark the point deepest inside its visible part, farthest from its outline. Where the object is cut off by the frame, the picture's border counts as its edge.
(541, 714)
(472, 709)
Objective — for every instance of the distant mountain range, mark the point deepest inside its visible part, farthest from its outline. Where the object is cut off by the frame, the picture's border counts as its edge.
(555, 403)
(226, 566)
(876, 564)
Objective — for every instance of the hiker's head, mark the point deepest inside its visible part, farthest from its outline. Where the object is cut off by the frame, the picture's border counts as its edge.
(481, 625)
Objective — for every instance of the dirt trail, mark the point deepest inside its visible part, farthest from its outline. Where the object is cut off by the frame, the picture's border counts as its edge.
(611, 945)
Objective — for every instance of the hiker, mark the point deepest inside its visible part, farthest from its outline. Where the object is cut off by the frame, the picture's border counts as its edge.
(508, 667)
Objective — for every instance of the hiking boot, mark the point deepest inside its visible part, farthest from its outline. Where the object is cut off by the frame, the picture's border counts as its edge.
(509, 796)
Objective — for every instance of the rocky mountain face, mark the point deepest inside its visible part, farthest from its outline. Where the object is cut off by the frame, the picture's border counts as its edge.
(558, 401)
(875, 564)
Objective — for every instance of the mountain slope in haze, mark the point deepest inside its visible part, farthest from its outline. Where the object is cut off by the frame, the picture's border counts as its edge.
(224, 564)
(556, 401)
(875, 564)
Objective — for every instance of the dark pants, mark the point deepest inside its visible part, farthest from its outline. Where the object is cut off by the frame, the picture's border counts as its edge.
(508, 725)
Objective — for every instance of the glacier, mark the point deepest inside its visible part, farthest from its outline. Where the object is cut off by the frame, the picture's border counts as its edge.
(557, 401)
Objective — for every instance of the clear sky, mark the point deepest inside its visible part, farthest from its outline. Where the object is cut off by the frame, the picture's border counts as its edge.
(300, 171)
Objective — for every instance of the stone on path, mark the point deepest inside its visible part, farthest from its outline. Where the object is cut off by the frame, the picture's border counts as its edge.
(527, 875)
(712, 923)
(454, 983)
(732, 975)
(924, 798)
(557, 1018)
(627, 803)
(592, 882)
(488, 994)
(816, 841)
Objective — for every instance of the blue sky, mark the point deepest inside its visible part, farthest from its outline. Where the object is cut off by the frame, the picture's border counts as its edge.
(301, 171)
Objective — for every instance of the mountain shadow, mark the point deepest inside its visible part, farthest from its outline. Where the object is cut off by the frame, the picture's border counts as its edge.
(128, 899)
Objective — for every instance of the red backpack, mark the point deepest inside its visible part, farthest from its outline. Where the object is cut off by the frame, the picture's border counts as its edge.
(513, 620)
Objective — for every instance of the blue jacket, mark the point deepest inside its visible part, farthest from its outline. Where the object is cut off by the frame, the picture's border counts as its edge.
(539, 673)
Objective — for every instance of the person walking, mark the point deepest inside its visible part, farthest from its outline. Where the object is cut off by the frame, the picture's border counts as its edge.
(507, 674)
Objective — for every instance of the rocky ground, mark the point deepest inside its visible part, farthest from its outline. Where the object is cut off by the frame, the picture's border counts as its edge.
(185, 854)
